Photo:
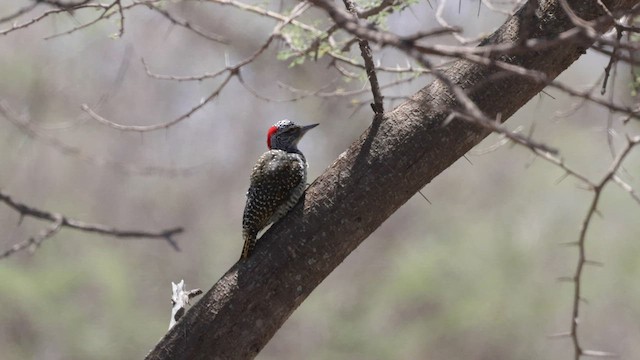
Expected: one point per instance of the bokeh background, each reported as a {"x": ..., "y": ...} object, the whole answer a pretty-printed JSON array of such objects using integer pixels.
[{"x": 472, "y": 274}]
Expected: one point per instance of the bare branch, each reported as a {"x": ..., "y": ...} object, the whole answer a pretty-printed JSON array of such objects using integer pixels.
[
  {"x": 187, "y": 25},
  {"x": 31, "y": 21},
  {"x": 575, "y": 35},
  {"x": 582, "y": 259},
  {"x": 23, "y": 10},
  {"x": 200, "y": 77},
  {"x": 105, "y": 14},
  {"x": 365, "y": 51},
  {"x": 626, "y": 187},
  {"x": 59, "y": 221},
  {"x": 339, "y": 92},
  {"x": 320, "y": 36},
  {"x": 33, "y": 243},
  {"x": 25, "y": 125},
  {"x": 121, "y": 12},
  {"x": 268, "y": 13},
  {"x": 165, "y": 125},
  {"x": 231, "y": 70},
  {"x": 612, "y": 60},
  {"x": 64, "y": 4}
]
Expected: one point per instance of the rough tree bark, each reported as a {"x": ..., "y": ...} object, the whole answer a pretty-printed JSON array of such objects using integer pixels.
[{"x": 398, "y": 155}]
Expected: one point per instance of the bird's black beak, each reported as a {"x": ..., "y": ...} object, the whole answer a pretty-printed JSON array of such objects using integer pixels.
[{"x": 304, "y": 129}]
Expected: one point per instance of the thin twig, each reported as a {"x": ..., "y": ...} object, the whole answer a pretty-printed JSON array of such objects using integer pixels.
[
  {"x": 365, "y": 51},
  {"x": 612, "y": 60}
]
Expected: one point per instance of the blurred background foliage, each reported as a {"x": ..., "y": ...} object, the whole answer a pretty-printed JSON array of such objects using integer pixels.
[{"x": 470, "y": 275}]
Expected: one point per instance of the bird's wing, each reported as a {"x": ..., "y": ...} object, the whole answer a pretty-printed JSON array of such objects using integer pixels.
[{"x": 274, "y": 177}]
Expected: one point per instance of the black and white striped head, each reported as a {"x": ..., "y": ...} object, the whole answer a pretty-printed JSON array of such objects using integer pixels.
[{"x": 284, "y": 135}]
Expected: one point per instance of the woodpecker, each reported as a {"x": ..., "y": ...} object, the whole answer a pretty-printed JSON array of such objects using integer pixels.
[{"x": 277, "y": 181}]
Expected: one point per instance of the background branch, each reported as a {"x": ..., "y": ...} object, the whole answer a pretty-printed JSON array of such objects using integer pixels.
[
  {"x": 59, "y": 221},
  {"x": 365, "y": 51}
]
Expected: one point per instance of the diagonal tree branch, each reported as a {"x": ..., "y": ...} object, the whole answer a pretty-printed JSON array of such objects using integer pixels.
[{"x": 384, "y": 168}]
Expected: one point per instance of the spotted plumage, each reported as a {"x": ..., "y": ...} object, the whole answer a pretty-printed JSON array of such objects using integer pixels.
[{"x": 278, "y": 180}]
